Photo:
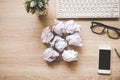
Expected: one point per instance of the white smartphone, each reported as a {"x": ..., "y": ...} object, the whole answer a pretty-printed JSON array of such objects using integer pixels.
[{"x": 104, "y": 62}]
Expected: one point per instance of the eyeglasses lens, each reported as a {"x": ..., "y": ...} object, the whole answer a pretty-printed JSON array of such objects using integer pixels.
[
  {"x": 112, "y": 33},
  {"x": 98, "y": 29}
]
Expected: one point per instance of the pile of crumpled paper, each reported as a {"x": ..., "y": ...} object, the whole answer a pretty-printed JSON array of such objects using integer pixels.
[{"x": 61, "y": 35}]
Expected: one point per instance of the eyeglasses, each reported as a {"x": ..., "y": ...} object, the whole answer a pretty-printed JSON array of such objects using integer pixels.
[{"x": 99, "y": 28}]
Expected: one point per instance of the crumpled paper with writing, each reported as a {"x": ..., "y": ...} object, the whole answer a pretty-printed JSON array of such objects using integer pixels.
[
  {"x": 59, "y": 43},
  {"x": 50, "y": 55}
]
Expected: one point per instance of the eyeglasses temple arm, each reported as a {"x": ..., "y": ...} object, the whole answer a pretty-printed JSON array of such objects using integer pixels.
[{"x": 117, "y": 52}]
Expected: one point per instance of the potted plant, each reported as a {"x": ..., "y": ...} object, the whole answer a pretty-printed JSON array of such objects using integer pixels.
[{"x": 36, "y": 6}]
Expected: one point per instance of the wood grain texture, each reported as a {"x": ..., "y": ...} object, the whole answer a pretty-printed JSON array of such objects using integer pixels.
[{"x": 21, "y": 47}]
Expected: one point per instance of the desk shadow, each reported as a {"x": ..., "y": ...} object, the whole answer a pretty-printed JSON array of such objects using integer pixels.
[
  {"x": 76, "y": 48},
  {"x": 91, "y": 19},
  {"x": 72, "y": 65},
  {"x": 59, "y": 61},
  {"x": 54, "y": 63},
  {"x": 43, "y": 20}
]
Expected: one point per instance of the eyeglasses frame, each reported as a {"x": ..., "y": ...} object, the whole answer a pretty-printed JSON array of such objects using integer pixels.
[{"x": 117, "y": 30}]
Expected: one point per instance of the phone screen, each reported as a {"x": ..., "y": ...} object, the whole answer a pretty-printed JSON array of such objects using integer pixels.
[{"x": 104, "y": 59}]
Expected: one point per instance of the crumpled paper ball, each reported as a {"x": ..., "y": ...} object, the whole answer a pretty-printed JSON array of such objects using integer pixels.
[
  {"x": 69, "y": 55},
  {"x": 59, "y": 43},
  {"x": 74, "y": 39},
  {"x": 58, "y": 27},
  {"x": 71, "y": 27},
  {"x": 47, "y": 35},
  {"x": 50, "y": 55}
]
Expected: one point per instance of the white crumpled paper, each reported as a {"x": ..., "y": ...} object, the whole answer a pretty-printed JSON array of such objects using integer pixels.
[
  {"x": 58, "y": 27},
  {"x": 71, "y": 27},
  {"x": 69, "y": 55},
  {"x": 59, "y": 43},
  {"x": 74, "y": 39},
  {"x": 47, "y": 35},
  {"x": 50, "y": 54}
]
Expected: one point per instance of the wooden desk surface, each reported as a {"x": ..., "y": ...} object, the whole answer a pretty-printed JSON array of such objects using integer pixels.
[{"x": 21, "y": 47}]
